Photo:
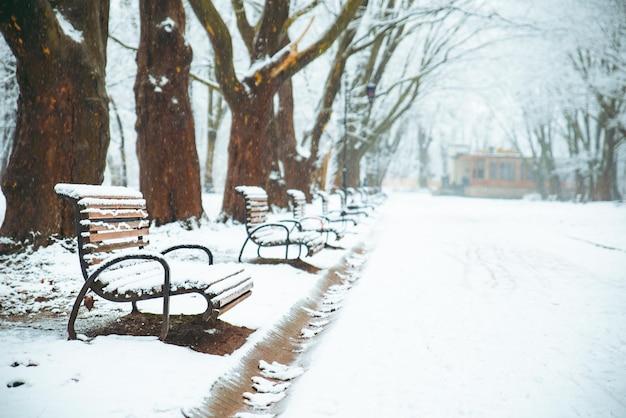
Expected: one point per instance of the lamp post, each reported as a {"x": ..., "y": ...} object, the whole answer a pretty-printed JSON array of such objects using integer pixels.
[
  {"x": 371, "y": 92},
  {"x": 344, "y": 171},
  {"x": 370, "y": 89}
]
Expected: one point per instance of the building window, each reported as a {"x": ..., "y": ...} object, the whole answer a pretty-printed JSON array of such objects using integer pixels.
[
  {"x": 507, "y": 171},
  {"x": 493, "y": 170},
  {"x": 527, "y": 172},
  {"x": 479, "y": 169}
]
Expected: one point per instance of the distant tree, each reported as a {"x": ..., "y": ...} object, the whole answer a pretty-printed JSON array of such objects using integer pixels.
[
  {"x": 250, "y": 99},
  {"x": 62, "y": 128},
  {"x": 169, "y": 170},
  {"x": 424, "y": 140},
  {"x": 216, "y": 110}
]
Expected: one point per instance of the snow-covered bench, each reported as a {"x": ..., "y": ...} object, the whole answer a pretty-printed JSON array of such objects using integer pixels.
[
  {"x": 321, "y": 224},
  {"x": 350, "y": 206},
  {"x": 285, "y": 232},
  {"x": 342, "y": 215},
  {"x": 112, "y": 228}
]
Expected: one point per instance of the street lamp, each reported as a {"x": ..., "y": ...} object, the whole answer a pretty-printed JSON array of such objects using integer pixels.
[
  {"x": 344, "y": 171},
  {"x": 371, "y": 92},
  {"x": 370, "y": 89}
]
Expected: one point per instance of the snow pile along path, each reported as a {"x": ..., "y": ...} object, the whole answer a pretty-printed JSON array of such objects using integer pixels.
[{"x": 479, "y": 308}]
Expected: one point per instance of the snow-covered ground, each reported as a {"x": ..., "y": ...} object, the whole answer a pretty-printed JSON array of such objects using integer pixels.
[
  {"x": 121, "y": 376},
  {"x": 467, "y": 307},
  {"x": 479, "y": 308}
]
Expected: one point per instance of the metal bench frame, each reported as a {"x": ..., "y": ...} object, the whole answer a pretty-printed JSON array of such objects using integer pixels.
[
  {"x": 251, "y": 228},
  {"x": 342, "y": 215},
  {"x": 90, "y": 278},
  {"x": 297, "y": 202}
]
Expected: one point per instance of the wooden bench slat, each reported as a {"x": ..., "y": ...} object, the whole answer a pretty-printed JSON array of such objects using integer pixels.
[
  {"x": 103, "y": 236},
  {"x": 234, "y": 303},
  {"x": 230, "y": 295},
  {"x": 105, "y": 248},
  {"x": 114, "y": 206},
  {"x": 114, "y": 226},
  {"x": 114, "y": 214}
]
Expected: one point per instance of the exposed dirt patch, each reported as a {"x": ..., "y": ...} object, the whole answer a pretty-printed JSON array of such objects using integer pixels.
[
  {"x": 185, "y": 330},
  {"x": 297, "y": 263}
]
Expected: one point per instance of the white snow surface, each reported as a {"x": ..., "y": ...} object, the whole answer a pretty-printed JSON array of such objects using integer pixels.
[
  {"x": 167, "y": 24},
  {"x": 117, "y": 376},
  {"x": 479, "y": 308},
  {"x": 78, "y": 191},
  {"x": 69, "y": 29}
]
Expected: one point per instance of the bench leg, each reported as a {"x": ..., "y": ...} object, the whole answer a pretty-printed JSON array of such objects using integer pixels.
[
  {"x": 74, "y": 314},
  {"x": 165, "y": 328},
  {"x": 242, "y": 247},
  {"x": 210, "y": 315}
]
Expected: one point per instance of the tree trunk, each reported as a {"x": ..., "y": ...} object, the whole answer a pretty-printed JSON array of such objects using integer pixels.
[
  {"x": 297, "y": 171},
  {"x": 249, "y": 159},
  {"x": 606, "y": 184},
  {"x": 215, "y": 115},
  {"x": 62, "y": 128},
  {"x": 353, "y": 164},
  {"x": 121, "y": 147},
  {"x": 424, "y": 168},
  {"x": 208, "y": 164},
  {"x": 166, "y": 150}
]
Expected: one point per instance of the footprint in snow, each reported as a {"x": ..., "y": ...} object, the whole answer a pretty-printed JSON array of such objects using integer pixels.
[
  {"x": 279, "y": 371},
  {"x": 262, "y": 400},
  {"x": 263, "y": 385},
  {"x": 15, "y": 383}
]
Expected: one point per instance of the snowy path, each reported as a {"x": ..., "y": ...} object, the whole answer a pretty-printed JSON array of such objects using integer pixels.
[{"x": 487, "y": 309}]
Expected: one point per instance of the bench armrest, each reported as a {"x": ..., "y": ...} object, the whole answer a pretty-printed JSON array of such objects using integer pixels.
[
  {"x": 268, "y": 225},
  {"x": 296, "y": 223},
  {"x": 321, "y": 219},
  {"x": 190, "y": 247}
]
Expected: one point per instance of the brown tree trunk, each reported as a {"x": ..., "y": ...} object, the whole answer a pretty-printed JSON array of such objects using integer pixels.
[
  {"x": 353, "y": 164},
  {"x": 297, "y": 171},
  {"x": 606, "y": 184},
  {"x": 166, "y": 149},
  {"x": 62, "y": 130},
  {"x": 208, "y": 165},
  {"x": 249, "y": 159}
]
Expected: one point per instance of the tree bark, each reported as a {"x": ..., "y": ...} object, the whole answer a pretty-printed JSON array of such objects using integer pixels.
[
  {"x": 296, "y": 171},
  {"x": 62, "y": 128},
  {"x": 249, "y": 159},
  {"x": 166, "y": 150}
]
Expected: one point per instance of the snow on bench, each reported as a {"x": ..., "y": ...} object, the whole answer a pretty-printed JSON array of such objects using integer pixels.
[
  {"x": 274, "y": 234},
  {"x": 112, "y": 228},
  {"x": 321, "y": 224}
]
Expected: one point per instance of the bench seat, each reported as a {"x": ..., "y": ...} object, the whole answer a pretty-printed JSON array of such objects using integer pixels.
[{"x": 146, "y": 278}]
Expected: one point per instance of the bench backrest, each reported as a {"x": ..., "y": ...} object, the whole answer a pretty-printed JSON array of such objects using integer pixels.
[
  {"x": 324, "y": 198},
  {"x": 108, "y": 220},
  {"x": 342, "y": 196},
  {"x": 257, "y": 206},
  {"x": 297, "y": 201}
]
